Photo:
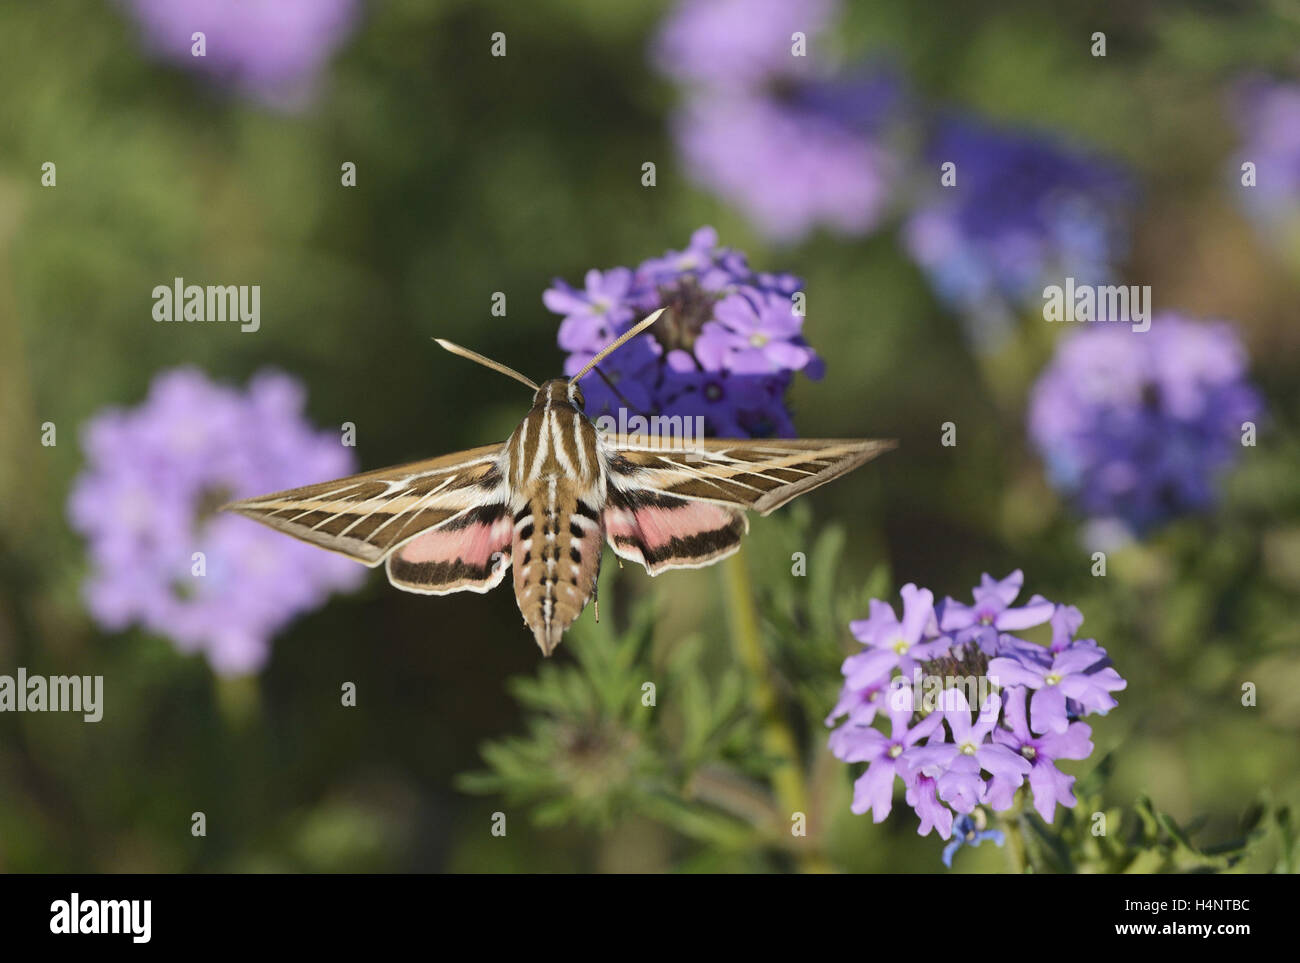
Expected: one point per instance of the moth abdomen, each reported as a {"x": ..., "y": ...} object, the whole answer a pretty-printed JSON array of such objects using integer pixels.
[{"x": 558, "y": 548}]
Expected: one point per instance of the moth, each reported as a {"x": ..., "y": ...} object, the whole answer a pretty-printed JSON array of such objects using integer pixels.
[{"x": 544, "y": 501}]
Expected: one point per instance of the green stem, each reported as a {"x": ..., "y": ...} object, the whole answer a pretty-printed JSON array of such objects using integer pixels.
[
  {"x": 778, "y": 741},
  {"x": 1011, "y": 823},
  {"x": 239, "y": 700}
]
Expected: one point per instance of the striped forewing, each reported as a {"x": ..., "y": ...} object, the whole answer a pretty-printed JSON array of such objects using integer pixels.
[
  {"x": 756, "y": 475},
  {"x": 367, "y": 516}
]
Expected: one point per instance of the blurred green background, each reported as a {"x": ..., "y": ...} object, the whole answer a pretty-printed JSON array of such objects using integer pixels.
[{"x": 477, "y": 175}]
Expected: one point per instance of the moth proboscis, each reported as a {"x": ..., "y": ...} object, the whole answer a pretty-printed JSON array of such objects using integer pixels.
[{"x": 543, "y": 502}]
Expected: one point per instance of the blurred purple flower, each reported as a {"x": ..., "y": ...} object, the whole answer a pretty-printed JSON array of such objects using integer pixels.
[
  {"x": 1137, "y": 426},
  {"x": 787, "y": 138},
  {"x": 147, "y": 502},
  {"x": 270, "y": 50},
  {"x": 1023, "y": 210},
  {"x": 917, "y": 670},
  {"x": 1268, "y": 115},
  {"x": 737, "y": 44},
  {"x": 725, "y": 349},
  {"x": 789, "y": 166}
]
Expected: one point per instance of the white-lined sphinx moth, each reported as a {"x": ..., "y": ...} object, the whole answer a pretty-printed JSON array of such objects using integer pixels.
[{"x": 545, "y": 500}]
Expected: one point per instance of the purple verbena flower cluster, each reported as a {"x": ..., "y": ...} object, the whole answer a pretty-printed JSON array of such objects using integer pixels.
[
  {"x": 779, "y": 132},
  {"x": 1020, "y": 211},
  {"x": 147, "y": 503},
  {"x": 270, "y": 50},
  {"x": 974, "y": 711},
  {"x": 725, "y": 349},
  {"x": 1137, "y": 426}
]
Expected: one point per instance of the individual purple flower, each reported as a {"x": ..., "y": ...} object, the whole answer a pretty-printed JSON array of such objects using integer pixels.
[
  {"x": 860, "y": 704},
  {"x": 1078, "y": 673},
  {"x": 146, "y": 504},
  {"x": 1138, "y": 426},
  {"x": 967, "y": 833},
  {"x": 891, "y": 643},
  {"x": 725, "y": 349},
  {"x": 1047, "y": 783},
  {"x": 1066, "y": 621},
  {"x": 1023, "y": 210},
  {"x": 874, "y": 789},
  {"x": 593, "y": 314},
  {"x": 992, "y": 612},
  {"x": 271, "y": 50},
  {"x": 752, "y": 336},
  {"x": 923, "y": 796}
]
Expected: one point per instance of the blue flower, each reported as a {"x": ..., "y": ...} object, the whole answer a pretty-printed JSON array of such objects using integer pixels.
[
  {"x": 1023, "y": 209},
  {"x": 966, "y": 833},
  {"x": 1136, "y": 427}
]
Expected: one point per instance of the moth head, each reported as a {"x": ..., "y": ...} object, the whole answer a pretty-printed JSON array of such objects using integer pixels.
[{"x": 559, "y": 391}]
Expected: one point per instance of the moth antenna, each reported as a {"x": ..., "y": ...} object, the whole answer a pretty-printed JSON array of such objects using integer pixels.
[
  {"x": 621, "y": 397},
  {"x": 623, "y": 338},
  {"x": 485, "y": 362}
]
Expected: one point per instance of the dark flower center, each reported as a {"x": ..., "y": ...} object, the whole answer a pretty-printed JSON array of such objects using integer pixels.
[
  {"x": 209, "y": 501},
  {"x": 206, "y": 507},
  {"x": 954, "y": 669},
  {"x": 1151, "y": 396},
  {"x": 758, "y": 425},
  {"x": 688, "y": 306},
  {"x": 967, "y": 660}
]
